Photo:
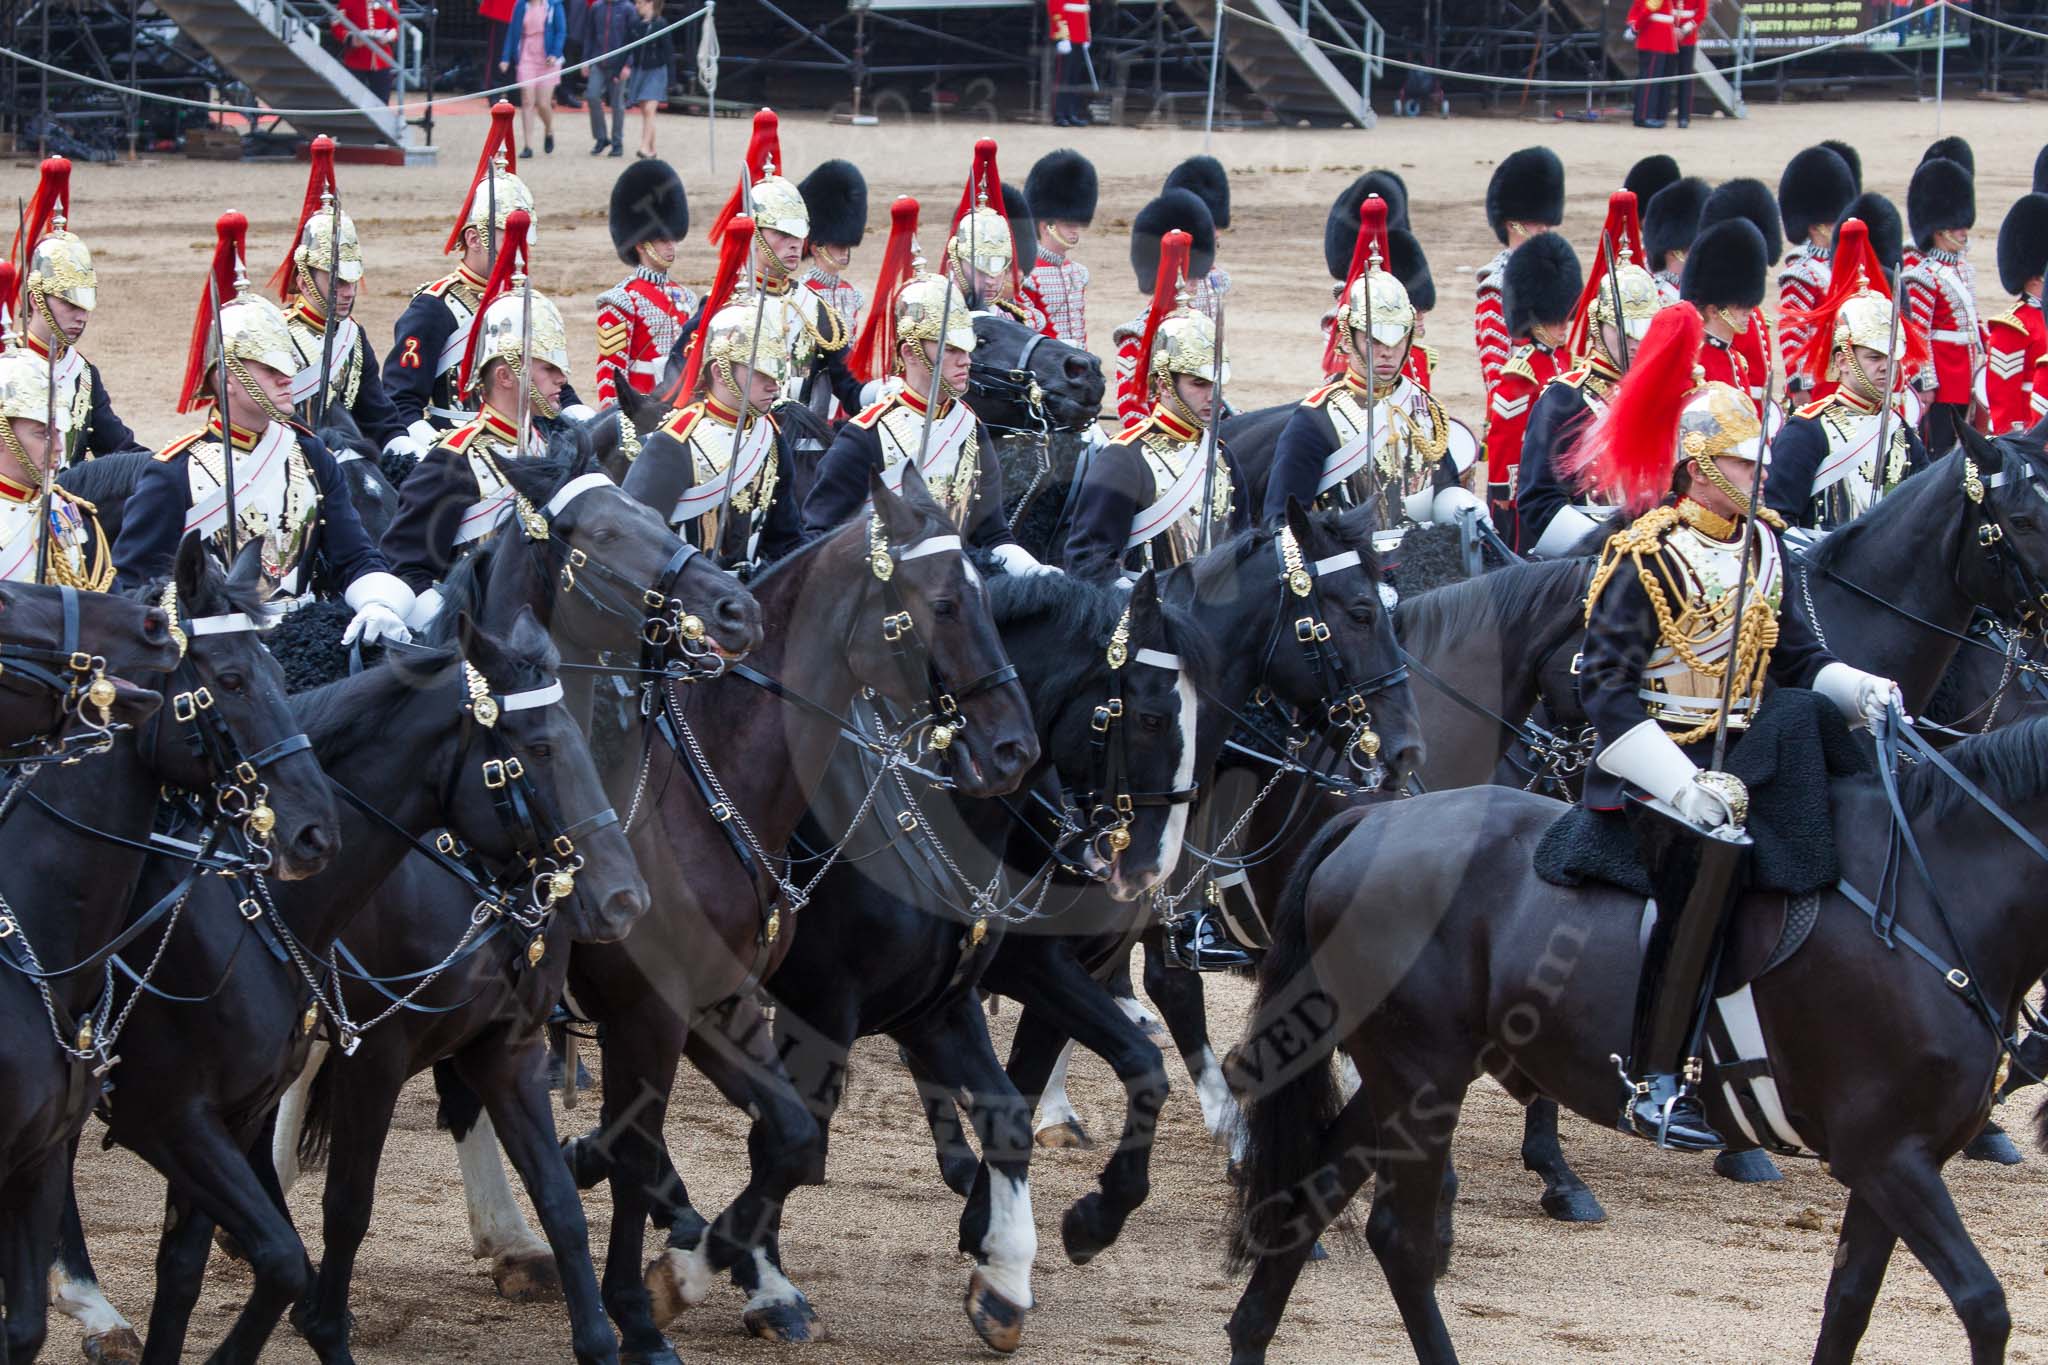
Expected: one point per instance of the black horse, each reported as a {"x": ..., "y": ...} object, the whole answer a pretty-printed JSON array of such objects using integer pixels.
[
  {"x": 491, "y": 754},
  {"x": 59, "y": 642},
  {"x": 1429, "y": 960},
  {"x": 74, "y": 843}
]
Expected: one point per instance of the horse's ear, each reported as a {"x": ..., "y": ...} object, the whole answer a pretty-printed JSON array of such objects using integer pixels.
[
  {"x": 188, "y": 570},
  {"x": 1144, "y": 606},
  {"x": 529, "y": 640},
  {"x": 1299, "y": 522},
  {"x": 246, "y": 574},
  {"x": 1984, "y": 452}
]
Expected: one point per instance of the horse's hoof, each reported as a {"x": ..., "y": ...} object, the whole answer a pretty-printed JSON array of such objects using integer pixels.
[
  {"x": 1993, "y": 1145},
  {"x": 118, "y": 1347},
  {"x": 1319, "y": 1252},
  {"x": 529, "y": 1277},
  {"x": 786, "y": 1321},
  {"x": 997, "y": 1321},
  {"x": 1083, "y": 1244},
  {"x": 676, "y": 1281},
  {"x": 225, "y": 1240},
  {"x": 663, "y": 1354},
  {"x": 1069, "y": 1135},
  {"x": 1751, "y": 1167},
  {"x": 959, "y": 1174},
  {"x": 1573, "y": 1204}
]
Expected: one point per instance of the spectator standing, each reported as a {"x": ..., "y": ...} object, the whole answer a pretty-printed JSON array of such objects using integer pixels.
[
  {"x": 647, "y": 86},
  {"x": 367, "y": 31},
  {"x": 607, "y": 29},
  {"x": 534, "y": 44},
  {"x": 1653, "y": 27}
]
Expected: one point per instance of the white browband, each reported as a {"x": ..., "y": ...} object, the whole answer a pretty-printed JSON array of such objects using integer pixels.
[
  {"x": 534, "y": 698},
  {"x": 1348, "y": 560},
  {"x": 234, "y": 622},
  {"x": 930, "y": 545},
  {"x": 575, "y": 489},
  {"x": 1158, "y": 659}
]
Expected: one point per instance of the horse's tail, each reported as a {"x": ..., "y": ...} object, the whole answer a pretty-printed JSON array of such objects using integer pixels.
[
  {"x": 318, "y": 1124},
  {"x": 1285, "y": 1120}
]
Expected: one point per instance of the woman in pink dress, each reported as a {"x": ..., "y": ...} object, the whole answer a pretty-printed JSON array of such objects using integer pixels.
[{"x": 537, "y": 33}]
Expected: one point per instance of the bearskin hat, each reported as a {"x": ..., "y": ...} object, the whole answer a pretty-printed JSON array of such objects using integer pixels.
[
  {"x": 1851, "y": 158},
  {"x": 648, "y": 204},
  {"x": 1813, "y": 191},
  {"x": 1672, "y": 219},
  {"x": 1887, "y": 231},
  {"x": 1181, "y": 209},
  {"x": 1411, "y": 268},
  {"x": 1725, "y": 268},
  {"x": 2041, "y": 172},
  {"x": 1951, "y": 149},
  {"x": 1205, "y": 177},
  {"x": 1941, "y": 195},
  {"x": 1023, "y": 228},
  {"x": 836, "y": 194},
  {"x": 1062, "y": 187},
  {"x": 1527, "y": 187},
  {"x": 1650, "y": 175},
  {"x": 1751, "y": 199},
  {"x": 1340, "y": 228},
  {"x": 1540, "y": 283},
  {"x": 2023, "y": 242}
]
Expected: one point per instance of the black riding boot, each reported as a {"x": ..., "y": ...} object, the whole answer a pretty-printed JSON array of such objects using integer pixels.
[
  {"x": 1226, "y": 934},
  {"x": 1697, "y": 879}
]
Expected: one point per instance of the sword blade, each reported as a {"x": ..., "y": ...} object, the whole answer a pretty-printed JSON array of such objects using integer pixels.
[
  {"x": 328, "y": 322},
  {"x": 1210, "y": 438},
  {"x": 1743, "y": 577}
]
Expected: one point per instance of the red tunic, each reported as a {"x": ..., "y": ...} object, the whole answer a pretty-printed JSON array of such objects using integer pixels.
[
  {"x": 1656, "y": 25},
  {"x": 2016, "y": 367},
  {"x": 1067, "y": 19},
  {"x": 1490, "y": 323},
  {"x": 1724, "y": 363},
  {"x": 638, "y": 321},
  {"x": 379, "y": 25},
  {"x": 1751, "y": 346},
  {"x": 1941, "y": 293},
  {"x": 1507, "y": 411}
]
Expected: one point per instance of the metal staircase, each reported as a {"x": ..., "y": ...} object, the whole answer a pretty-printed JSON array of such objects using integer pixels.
[
  {"x": 274, "y": 48},
  {"x": 1273, "y": 46}
]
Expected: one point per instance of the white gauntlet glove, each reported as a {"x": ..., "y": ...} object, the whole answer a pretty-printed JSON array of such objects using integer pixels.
[
  {"x": 1648, "y": 758},
  {"x": 1020, "y": 561},
  {"x": 1453, "y": 503},
  {"x": 1065, "y": 47},
  {"x": 381, "y": 601},
  {"x": 1861, "y": 697}
]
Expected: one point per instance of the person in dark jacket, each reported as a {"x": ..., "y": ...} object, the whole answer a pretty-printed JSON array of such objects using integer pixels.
[{"x": 607, "y": 28}]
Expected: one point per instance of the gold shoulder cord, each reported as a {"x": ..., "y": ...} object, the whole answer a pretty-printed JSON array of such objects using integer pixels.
[{"x": 1642, "y": 543}]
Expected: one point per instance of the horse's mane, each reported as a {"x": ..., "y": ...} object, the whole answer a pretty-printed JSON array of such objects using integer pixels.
[
  {"x": 1081, "y": 617},
  {"x": 2010, "y": 765},
  {"x": 108, "y": 478},
  {"x": 215, "y": 586},
  {"x": 463, "y": 589},
  {"x": 1517, "y": 595}
]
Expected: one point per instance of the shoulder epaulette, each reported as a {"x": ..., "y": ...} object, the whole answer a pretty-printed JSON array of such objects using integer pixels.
[
  {"x": 2011, "y": 320},
  {"x": 179, "y": 446},
  {"x": 1131, "y": 434},
  {"x": 872, "y": 413},
  {"x": 1430, "y": 357},
  {"x": 1322, "y": 395},
  {"x": 1518, "y": 364},
  {"x": 1816, "y": 407},
  {"x": 459, "y": 440},
  {"x": 681, "y": 422},
  {"x": 437, "y": 288},
  {"x": 1573, "y": 378}
]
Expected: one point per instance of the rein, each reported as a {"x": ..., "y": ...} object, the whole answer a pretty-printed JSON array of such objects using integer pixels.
[{"x": 71, "y": 677}]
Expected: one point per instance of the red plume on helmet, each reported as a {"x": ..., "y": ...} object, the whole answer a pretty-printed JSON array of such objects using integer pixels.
[
  {"x": 1856, "y": 267},
  {"x": 732, "y": 262},
  {"x": 874, "y": 351},
  {"x": 53, "y": 197},
  {"x": 230, "y": 247},
  {"x": 1623, "y": 228},
  {"x": 319, "y": 179},
  {"x": 985, "y": 180},
  {"x": 1372, "y": 237},
  {"x": 763, "y": 148},
  {"x": 10, "y": 297},
  {"x": 512, "y": 260},
  {"x": 1173, "y": 268},
  {"x": 1629, "y": 453},
  {"x": 499, "y": 139}
]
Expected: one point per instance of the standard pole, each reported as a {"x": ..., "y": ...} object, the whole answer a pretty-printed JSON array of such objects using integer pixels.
[{"x": 1940, "y": 61}]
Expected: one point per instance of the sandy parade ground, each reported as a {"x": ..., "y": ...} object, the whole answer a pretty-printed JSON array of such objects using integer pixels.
[{"x": 1686, "y": 1263}]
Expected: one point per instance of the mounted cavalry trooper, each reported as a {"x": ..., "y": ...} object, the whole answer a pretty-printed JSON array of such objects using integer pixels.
[
  {"x": 1671, "y": 219},
  {"x": 458, "y": 495},
  {"x": 989, "y": 250},
  {"x": 1540, "y": 290},
  {"x": 1826, "y": 465},
  {"x": 1524, "y": 198},
  {"x": 432, "y": 334},
  {"x": 1405, "y": 259},
  {"x": 1724, "y": 281},
  {"x": 1941, "y": 292},
  {"x": 1173, "y": 211},
  {"x": 739, "y": 503},
  {"x": 922, "y": 329},
  {"x": 1140, "y": 503},
  {"x": 325, "y": 262},
  {"x": 1813, "y": 194},
  {"x": 78, "y": 554},
  {"x": 1063, "y": 191},
  {"x": 1373, "y": 436},
  {"x": 814, "y": 335},
  {"x": 2016, "y": 342},
  {"x": 253, "y": 474},
  {"x": 1612, "y": 317},
  {"x": 1661, "y": 627},
  {"x": 640, "y": 318},
  {"x": 62, "y": 290},
  {"x": 836, "y": 197}
]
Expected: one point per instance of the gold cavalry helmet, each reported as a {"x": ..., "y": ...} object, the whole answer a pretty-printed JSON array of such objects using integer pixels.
[
  {"x": 25, "y": 389},
  {"x": 511, "y": 193},
  {"x": 1377, "y": 302},
  {"x": 923, "y": 301},
  {"x": 256, "y": 331},
  {"x": 61, "y": 267},
  {"x": 504, "y": 328},
  {"x": 1637, "y": 289},
  {"x": 316, "y": 245},
  {"x": 1865, "y": 319},
  {"x": 982, "y": 237},
  {"x": 1719, "y": 422},
  {"x": 1186, "y": 344},
  {"x": 779, "y": 204},
  {"x": 731, "y": 341}
]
